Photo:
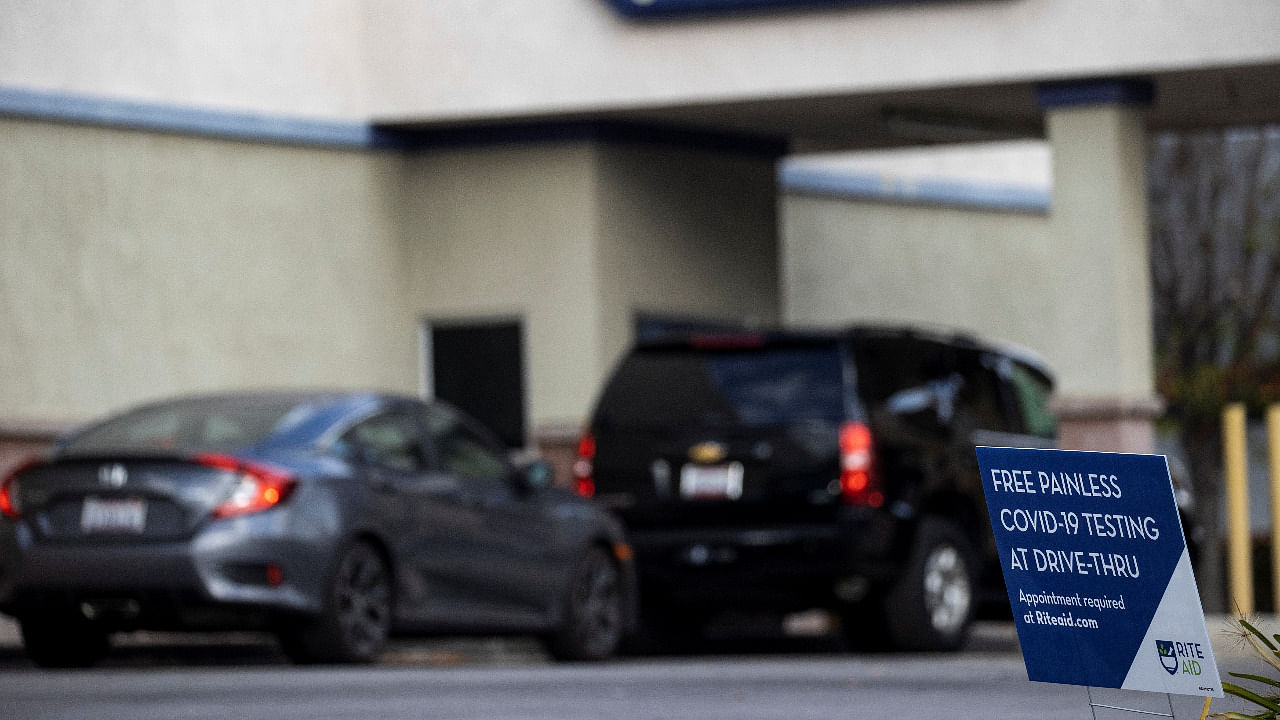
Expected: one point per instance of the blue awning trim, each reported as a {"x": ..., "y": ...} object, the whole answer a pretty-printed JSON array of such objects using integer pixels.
[
  {"x": 285, "y": 130},
  {"x": 939, "y": 192},
  {"x": 679, "y": 8},
  {"x": 1106, "y": 91},
  {"x": 79, "y": 109}
]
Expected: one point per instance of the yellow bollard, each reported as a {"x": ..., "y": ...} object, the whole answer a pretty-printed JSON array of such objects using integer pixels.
[
  {"x": 1236, "y": 467},
  {"x": 1273, "y": 461}
]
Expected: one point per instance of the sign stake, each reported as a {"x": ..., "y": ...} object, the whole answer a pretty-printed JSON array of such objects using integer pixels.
[{"x": 1093, "y": 706}]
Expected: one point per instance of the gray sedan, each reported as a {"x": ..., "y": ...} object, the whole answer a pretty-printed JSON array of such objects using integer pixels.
[{"x": 330, "y": 519}]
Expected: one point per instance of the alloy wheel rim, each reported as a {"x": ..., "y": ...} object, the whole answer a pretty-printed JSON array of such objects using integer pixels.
[
  {"x": 948, "y": 592},
  {"x": 598, "y": 612},
  {"x": 363, "y": 601}
]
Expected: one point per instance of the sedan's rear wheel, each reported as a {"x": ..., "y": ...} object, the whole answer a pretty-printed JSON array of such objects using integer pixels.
[
  {"x": 591, "y": 627},
  {"x": 356, "y": 621},
  {"x": 57, "y": 641}
]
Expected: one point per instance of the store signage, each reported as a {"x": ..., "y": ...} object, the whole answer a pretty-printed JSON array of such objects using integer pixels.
[
  {"x": 653, "y": 8},
  {"x": 1097, "y": 570}
]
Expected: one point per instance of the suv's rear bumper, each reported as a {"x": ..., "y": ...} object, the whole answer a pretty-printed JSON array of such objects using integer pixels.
[{"x": 775, "y": 567}]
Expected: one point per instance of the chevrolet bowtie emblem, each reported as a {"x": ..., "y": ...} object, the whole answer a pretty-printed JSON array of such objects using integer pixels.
[
  {"x": 708, "y": 452},
  {"x": 113, "y": 475}
]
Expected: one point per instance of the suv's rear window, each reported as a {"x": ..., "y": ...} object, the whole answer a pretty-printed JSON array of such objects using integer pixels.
[{"x": 753, "y": 388}]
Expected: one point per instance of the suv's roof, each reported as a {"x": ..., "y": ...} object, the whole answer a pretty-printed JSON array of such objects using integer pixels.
[{"x": 745, "y": 339}]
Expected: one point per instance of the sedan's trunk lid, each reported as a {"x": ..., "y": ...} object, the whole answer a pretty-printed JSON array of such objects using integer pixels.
[{"x": 122, "y": 498}]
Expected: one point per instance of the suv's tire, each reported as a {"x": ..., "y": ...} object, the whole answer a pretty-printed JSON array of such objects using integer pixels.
[
  {"x": 59, "y": 641},
  {"x": 356, "y": 620},
  {"x": 931, "y": 606},
  {"x": 591, "y": 622}
]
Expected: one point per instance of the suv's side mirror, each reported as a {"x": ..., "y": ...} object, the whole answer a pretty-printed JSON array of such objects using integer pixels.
[
  {"x": 535, "y": 475},
  {"x": 912, "y": 400}
]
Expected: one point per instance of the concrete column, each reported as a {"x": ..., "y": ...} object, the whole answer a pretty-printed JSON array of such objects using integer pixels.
[{"x": 1099, "y": 269}]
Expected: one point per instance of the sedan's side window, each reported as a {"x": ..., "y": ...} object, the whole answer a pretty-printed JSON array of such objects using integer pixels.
[
  {"x": 463, "y": 452},
  {"x": 389, "y": 439}
]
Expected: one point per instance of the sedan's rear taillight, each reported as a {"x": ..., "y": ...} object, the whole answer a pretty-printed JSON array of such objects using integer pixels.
[
  {"x": 258, "y": 487},
  {"x": 584, "y": 478},
  {"x": 859, "y": 484}
]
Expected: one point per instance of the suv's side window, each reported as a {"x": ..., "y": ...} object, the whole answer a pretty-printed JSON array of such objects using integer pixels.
[
  {"x": 980, "y": 400},
  {"x": 462, "y": 451},
  {"x": 909, "y": 378},
  {"x": 389, "y": 439},
  {"x": 1033, "y": 400}
]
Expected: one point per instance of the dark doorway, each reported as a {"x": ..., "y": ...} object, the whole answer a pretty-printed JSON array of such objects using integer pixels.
[{"x": 479, "y": 368}]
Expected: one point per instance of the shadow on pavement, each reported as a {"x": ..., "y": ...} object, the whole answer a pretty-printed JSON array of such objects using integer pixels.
[{"x": 250, "y": 649}]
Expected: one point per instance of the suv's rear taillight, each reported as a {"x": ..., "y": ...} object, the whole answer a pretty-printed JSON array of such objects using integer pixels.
[
  {"x": 9, "y": 505},
  {"x": 859, "y": 484},
  {"x": 584, "y": 467},
  {"x": 9, "y": 496},
  {"x": 258, "y": 487}
]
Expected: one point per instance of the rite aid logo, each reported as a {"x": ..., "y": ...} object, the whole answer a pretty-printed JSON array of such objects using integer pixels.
[
  {"x": 1181, "y": 657},
  {"x": 113, "y": 476}
]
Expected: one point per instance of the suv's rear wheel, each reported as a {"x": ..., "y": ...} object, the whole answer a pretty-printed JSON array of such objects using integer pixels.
[{"x": 931, "y": 606}]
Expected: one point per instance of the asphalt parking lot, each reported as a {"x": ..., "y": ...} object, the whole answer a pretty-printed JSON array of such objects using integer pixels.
[
  {"x": 989, "y": 638},
  {"x": 145, "y": 648}
]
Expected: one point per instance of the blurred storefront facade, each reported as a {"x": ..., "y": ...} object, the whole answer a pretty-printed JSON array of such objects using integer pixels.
[{"x": 410, "y": 195}]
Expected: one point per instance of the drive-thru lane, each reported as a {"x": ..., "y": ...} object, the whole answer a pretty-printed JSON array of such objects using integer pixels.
[{"x": 512, "y": 679}]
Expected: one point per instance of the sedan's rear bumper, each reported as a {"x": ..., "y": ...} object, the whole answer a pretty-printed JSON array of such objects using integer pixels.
[{"x": 232, "y": 574}]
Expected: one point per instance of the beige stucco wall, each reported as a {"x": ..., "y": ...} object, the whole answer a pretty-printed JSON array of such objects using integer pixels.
[
  {"x": 853, "y": 260},
  {"x": 465, "y": 59},
  {"x": 134, "y": 265},
  {"x": 685, "y": 233},
  {"x": 1101, "y": 256},
  {"x": 509, "y": 232},
  {"x": 137, "y": 265},
  {"x": 291, "y": 57},
  {"x": 574, "y": 238}
]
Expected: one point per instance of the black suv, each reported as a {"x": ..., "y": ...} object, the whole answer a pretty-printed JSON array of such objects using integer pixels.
[{"x": 784, "y": 471}]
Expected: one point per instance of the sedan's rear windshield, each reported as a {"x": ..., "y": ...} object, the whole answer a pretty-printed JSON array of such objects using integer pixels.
[
  {"x": 204, "y": 425},
  {"x": 753, "y": 388}
]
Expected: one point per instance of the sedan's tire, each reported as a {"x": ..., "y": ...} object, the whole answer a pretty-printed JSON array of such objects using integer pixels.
[
  {"x": 931, "y": 607},
  {"x": 591, "y": 623},
  {"x": 356, "y": 620},
  {"x": 57, "y": 641}
]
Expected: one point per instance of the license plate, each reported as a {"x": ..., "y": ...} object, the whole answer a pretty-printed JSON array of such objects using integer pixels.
[
  {"x": 128, "y": 515},
  {"x": 711, "y": 482}
]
